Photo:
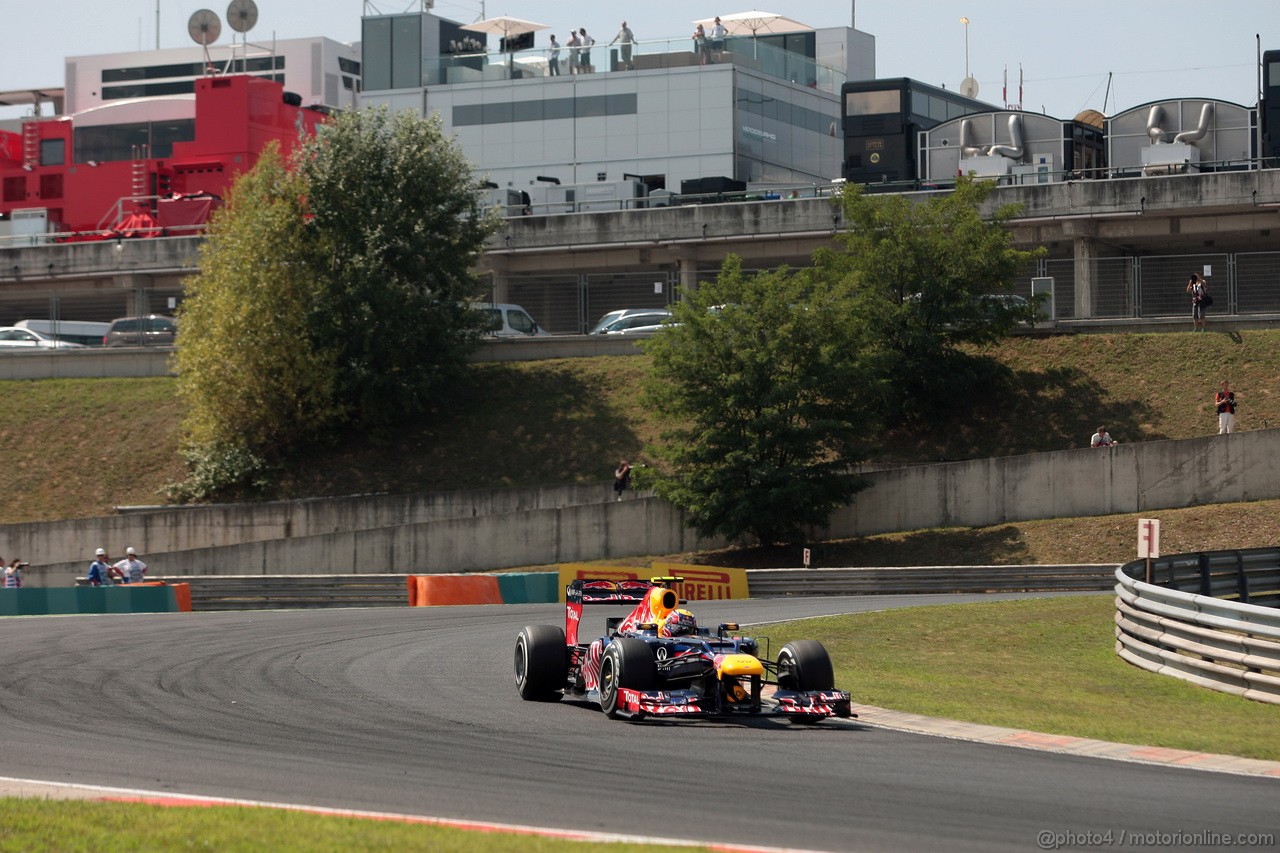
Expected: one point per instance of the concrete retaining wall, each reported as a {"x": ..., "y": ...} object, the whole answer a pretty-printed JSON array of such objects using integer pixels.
[
  {"x": 489, "y": 529},
  {"x": 163, "y": 530},
  {"x": 1128, "y": 478},
  {"x": 566, "y": 534}
]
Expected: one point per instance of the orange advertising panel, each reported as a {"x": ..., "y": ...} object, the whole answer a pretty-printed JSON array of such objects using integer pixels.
[{"x": 701, "y": 583}]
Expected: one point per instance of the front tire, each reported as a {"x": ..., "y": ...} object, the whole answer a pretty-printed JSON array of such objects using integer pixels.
[
  {"x": 627, "y": 663},
  {"x": 804, "y": 665},
  {"x": 541, "y": 663}
]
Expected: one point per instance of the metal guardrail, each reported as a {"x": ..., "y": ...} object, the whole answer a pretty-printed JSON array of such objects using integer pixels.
[
  {"x": 1209, "y": 618},
  {"x": 776, "y": 583},
  {"x": 270, "y": 592},
  {"x": 278, "y": 592}
]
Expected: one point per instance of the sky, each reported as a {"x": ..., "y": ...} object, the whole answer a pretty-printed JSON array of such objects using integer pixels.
[{"x": 1149, "y": 50}]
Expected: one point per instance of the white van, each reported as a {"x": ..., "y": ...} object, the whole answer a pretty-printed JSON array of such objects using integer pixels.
[
  {"x": 89, "y": 334},
  {"x": 509, "y": 321}
]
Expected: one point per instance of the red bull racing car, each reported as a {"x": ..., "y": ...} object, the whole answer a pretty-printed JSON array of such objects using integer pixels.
[{"x": 658, "y": 662}]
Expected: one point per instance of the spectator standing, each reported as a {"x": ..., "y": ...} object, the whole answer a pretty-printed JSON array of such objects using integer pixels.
[
  {"x": 573, "y": 44},
  {"x": 1225, "y": 401},
  {"x": 584, "y": 51},
  {"x": 718, "y": 34},
  {"x": 98, "y": 574},
  {"x": 700, "y": 44},
  {"x": 13, "y": 574},
  {"x": 553, "y": 58},
  {"x": 621, "y": 478},
  {"x": 628, "y": 39},
  {"x": 1102, "y": 438},
  {"x": 1199, "y": 301},
  {"x": 132, "y": 569}
]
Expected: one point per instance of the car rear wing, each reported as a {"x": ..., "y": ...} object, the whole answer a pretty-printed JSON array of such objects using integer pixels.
[{"x": 583, "y": 591}]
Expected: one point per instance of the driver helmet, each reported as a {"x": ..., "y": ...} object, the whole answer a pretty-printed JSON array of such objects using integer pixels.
[{"x": 679, "y": 623}]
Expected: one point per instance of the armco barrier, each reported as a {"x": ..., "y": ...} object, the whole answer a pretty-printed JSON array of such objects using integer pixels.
[
  {"x": 258, "y": 592},
  {"x": 774, "y": 583},
  {"x": 148, "y": 598},
  {"x": 1205, "y": 619},
  {"x": 274, "y": 592},
  {"x": 277, "y": 592}
]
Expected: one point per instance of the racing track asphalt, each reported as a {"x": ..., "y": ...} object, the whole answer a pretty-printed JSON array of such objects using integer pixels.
[{"x": 414, "y": 711}]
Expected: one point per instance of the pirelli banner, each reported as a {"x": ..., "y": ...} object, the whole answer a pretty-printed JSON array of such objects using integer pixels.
[{"x": 701, "y": 583}]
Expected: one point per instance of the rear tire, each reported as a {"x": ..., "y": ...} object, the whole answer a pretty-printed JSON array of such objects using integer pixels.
[
  {"x": 627, "y": 663},
  {"x": 541, "y": 662},
  {"x": 804, "y": 665}
]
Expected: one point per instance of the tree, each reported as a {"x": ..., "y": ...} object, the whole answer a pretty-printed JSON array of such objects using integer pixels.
[
  {"x": 764, "y": 381},
  {"x": 399, "y": 224},
  {"x": 252, "y": 376},
  {"x": 333, "y": 290},
  {"x": 924, "y": 272}
]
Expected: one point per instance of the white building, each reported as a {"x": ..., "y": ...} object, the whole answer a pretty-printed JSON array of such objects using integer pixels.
[
  {"x": 319, "y": 70},
  {"x": 758, "y": 111}
]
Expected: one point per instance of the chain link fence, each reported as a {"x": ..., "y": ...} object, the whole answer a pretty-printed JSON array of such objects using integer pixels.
[{"x": 80, "y": 306}]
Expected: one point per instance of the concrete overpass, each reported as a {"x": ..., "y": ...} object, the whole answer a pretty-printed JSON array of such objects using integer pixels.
[{"x": 1080, "y": 222}]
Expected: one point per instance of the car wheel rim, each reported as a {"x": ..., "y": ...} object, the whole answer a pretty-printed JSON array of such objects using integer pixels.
[
  {"x": 521, "y": 664},
  {"x": 608, "y": 683}
]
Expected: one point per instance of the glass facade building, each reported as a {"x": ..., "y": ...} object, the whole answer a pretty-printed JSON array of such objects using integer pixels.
[{"x": 762, "y": 111}]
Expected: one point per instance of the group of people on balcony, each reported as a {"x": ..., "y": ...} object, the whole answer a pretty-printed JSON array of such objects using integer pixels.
[{"x": 710, "y": 50}]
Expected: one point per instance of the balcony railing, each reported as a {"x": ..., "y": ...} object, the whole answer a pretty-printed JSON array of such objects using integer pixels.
[{"x": 742, "y": 51}]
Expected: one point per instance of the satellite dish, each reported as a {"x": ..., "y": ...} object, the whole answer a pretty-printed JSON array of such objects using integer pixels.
[
  {"x": 204, "y": 27},
  {"x": 969, "y": 87},
  {"x": 242, "y": 15}
]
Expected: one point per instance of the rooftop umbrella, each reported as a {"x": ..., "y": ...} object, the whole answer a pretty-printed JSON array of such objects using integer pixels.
[
  {"x": 755, "y": 23},
  {"x": 506, "y": 27}
]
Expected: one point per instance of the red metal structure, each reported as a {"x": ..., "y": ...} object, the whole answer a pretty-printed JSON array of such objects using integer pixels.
[{"x": 146, "y": 167}]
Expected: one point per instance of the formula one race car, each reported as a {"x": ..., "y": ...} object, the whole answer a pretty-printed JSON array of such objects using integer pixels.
[{"x": 657, "y": 661}]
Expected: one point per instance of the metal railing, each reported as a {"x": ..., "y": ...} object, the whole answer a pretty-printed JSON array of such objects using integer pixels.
[
  {"x": 270, "y": 592},
  {"x": 745, "y": 51},
  {"x": 778, "y": 583},
  {"x": 1212, "y": 619},
  {"x": 279, "y": 592}
]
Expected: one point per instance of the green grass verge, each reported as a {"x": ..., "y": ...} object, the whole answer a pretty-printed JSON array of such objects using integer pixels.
[
  {"x": 1047, "y": 665},
  {"x": 78, "y": 826}
]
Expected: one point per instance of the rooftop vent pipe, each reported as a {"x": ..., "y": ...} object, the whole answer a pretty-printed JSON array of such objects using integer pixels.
[{"x": 1206, "y": 112}]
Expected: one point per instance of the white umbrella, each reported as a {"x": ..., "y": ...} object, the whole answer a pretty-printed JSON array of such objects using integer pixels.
[
  {"x": 505, "y": 26},
  {"x": 755, "y": 23}
]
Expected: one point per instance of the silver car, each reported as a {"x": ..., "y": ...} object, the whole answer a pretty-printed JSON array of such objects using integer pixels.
[
  {"x": 12, "y": 336},
  {"x": 644, "y": 323},
  {"x": 613, "y": 316}
]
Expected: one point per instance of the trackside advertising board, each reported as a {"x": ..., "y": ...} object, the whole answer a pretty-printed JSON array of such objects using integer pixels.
[{"x": 701, "y": 583}]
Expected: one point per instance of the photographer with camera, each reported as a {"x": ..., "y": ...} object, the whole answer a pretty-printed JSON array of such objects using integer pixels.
[{"x": 13, "y": 574}]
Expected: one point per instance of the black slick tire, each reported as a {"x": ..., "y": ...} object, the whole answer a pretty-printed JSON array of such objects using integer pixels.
[
  {"x": 627, "y": 663},
  {"x": 541, "y": 663}
]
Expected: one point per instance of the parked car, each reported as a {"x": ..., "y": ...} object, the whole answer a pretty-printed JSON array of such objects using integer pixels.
[
  {"x": 84, "y": 332},
  {"x": 148, "y": 330},
  {"x": 612, "y": 316},
  {"x": 645, "y": 323},
  {"x": 13, "y": 336},
  {"x": 509, "y": 321}
]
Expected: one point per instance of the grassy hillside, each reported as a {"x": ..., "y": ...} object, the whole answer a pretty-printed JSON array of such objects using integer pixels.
[{"x": 78, "y": 447}]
